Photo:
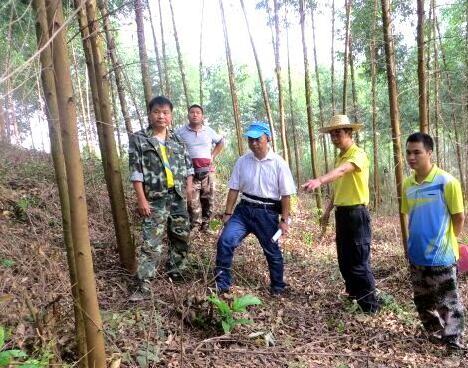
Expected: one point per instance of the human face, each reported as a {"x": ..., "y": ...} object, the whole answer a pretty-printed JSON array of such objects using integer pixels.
[
  {"x": 340, "y": 138},
  {"x": 195, "y": 116},
  {"x": 259, "y": 146},
  {"x": 160, "y": 116},
  {"x": 418, "y": 157}
]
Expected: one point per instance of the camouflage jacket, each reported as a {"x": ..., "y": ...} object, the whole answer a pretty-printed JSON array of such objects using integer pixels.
[{"x": 146, "y": 165}]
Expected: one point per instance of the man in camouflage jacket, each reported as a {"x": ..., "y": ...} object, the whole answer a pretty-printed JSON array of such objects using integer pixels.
[{"x": 161, "y": 172}]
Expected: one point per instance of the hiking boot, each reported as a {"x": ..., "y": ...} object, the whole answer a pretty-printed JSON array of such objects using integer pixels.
[
  {"x": 280, "y": 292},
  {"x": 453, "y": 343}
]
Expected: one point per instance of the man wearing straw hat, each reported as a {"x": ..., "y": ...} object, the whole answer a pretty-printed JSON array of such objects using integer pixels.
[{"x": 351, "y": 196}]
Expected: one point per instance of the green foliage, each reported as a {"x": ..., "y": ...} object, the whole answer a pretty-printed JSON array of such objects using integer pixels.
[
  {"x": 227, "y": 312},
  {"x": 7, "y": 263},
  {"x": 216, "y": 224},
  {"x": 17, "y": 357}
]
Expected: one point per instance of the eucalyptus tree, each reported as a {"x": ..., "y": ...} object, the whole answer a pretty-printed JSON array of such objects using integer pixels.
[{"x": 145, "y": 74}]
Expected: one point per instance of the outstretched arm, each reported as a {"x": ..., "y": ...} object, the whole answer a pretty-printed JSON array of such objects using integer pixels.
[{"x": 329, "y": 177}]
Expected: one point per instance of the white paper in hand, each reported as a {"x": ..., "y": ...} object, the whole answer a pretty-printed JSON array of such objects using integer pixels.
[{"x": 278, "y": 233}]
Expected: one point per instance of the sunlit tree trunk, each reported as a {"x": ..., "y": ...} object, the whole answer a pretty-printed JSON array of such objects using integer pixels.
[
  {"x": 266, "y": 99},
  {"x": 332, "y": 71},
  {"x": 116, "y": 117},
  {"x": 437, "y": 137},
  {"x": 394, "y": 111},
  {"x": 2, "y": 121},
  {"x": 346, "y": 55},
  {"x": 319, "y": 92},
  {"x": 56, "y": 149},
  {"x": 284, "y": 141},
  {"x": 78, "y": 209},
  {"x": 156, "y": 50},
  {"x": 179, "y": 57},
  {"x": 232, "y": 83},
  {"x": 114, "y": 178},
  {"x": 353, "y": 79},
  {"x": 167, "y": 90},
  {"x": 200, "y": 68},
  {"x": 310, "y": 115},
  {"x": 291, "y": 114},
  {"x": 423, "y": 119},
  {"x": 117, "y": 68},
  {"x": 145, "y": 74},
  {"x": 373, "y": 61}
]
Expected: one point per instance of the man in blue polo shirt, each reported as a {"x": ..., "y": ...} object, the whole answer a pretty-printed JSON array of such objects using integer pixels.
[{"x": 433, "y": 201}]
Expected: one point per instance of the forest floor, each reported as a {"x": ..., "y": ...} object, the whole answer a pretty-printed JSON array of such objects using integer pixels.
[{"x": 313, "y": 326}]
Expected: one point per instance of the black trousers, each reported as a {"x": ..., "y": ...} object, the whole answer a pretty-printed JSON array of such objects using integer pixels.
[{"x": 353, "y": 239}]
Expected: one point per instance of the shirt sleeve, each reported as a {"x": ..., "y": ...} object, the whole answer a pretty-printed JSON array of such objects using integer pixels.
[
  {"x": 359, "y": 159},
  {"x": 404, "y": 199},
  {"x": 453, "y": 196},
  {"x": 285, "y": 180},
  {"x": 135, "y": 159},
  {"x": 234, "y": 181}
]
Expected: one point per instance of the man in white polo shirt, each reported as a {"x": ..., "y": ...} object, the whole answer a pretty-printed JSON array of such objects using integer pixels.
[
  {"x": 203, "y": 144},
  {"x": 266, "y": 184}
]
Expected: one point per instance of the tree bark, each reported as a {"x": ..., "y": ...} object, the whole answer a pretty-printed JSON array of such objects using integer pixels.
[
  {"x": 200, "y": 68},
  {"x": 156, "y": 50},
  {"x": 2, "y": 121},
  {"x": 394, "y": 111},
  {"x": 436, "y": 86},
  {"x": 145, "y": 74},
  {"x": 310, "y": 115},
  {"x": 284, "y": 141},
  {"x": 56, "y": 149},
  {"x": 164, "y": 54},
  {"x": 78, "y": 209},
  {"x": 346, "y": 54},
  {"x": 232, "y": 83},
  {"x": 332, "y": 71},
  {"x": 116, "y": 67},
  {"x": 124, "y": 239},
  {"x": 266, "y": 99},
  {"x": 179, "y": 57},
  {"x": 373, "y": 61},
  {"x": 423, "y": 118}
]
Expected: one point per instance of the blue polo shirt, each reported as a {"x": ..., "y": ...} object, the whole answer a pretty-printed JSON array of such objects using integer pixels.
[{"x": 429, "y": 205}]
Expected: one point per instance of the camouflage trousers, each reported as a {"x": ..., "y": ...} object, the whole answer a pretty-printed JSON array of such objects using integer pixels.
[
  {"x": 437, "y": 299},
  {"x": 168, "y": 219},
  {"x": 201, "y": 206}
]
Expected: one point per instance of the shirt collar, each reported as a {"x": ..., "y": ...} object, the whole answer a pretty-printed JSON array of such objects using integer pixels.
[
  {"x": 428, "y": 179},
  {"x": 349, "y": 151},
  {"x": 193, "y": 130},
  {"x": 269, "y": 156}
]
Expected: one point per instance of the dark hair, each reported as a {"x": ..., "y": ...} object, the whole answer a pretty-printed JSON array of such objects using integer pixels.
[
  {"x": 195, "y": 105},
  {"x": 159, "y": 101},
  {"x": 423, "y": 138}
]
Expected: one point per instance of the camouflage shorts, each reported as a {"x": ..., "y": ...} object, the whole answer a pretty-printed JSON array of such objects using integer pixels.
[
  {"x": 168, "y": 219},
  {"x": 437, "y": 299}
]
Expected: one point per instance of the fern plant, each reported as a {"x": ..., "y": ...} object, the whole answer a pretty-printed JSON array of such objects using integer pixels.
[{"x": 227, "y": 312}]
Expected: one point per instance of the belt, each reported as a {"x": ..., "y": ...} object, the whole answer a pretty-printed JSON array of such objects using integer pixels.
[
  {"x": 257, "y": 205},
  {"x": 354, "y": 206}
]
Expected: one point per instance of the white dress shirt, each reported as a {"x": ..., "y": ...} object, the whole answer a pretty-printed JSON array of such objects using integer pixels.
[{"x": 269, "y": 177}]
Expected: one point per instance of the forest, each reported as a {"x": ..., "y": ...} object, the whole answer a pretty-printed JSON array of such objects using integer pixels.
[{"x": 76, "y": 77}]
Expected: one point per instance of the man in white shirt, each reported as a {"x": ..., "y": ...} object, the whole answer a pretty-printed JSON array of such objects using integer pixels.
[
  {"x": 203, "y": 145},
  {"x": 266, "y": 184}
]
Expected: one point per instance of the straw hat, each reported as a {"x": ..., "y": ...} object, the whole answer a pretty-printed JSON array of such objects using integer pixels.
[{"x": 340, "y": 122}]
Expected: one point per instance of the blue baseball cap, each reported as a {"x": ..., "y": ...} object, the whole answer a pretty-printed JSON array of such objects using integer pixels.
[{"x": 256, "y": 129}]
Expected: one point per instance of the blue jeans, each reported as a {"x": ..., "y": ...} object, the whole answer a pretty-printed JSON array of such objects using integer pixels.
[{"x": 261, "y": 222}]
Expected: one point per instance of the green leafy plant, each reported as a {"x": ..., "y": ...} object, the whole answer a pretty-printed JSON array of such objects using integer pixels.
[
  {"x": 18, "y": 357},
  {"x": 227, "y": 312}
]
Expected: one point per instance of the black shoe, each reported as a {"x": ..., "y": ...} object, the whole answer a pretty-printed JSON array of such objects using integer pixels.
[
  {"x": 453, "y": 343},
  {"x": 280, "y": 292}
]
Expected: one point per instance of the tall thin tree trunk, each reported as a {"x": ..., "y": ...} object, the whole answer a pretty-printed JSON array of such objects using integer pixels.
[
  {"x": 56, "y": 149},
  {"x": 145, "y": 74},
  {"x": 200, "y": 68},
  {"x": 353, "y": 79},
  {"x": 376, "y": 177},
  {"x": 291, "y": 113},
  {"x": 394, "y": 111},
  {"x": 156, "y": 50},
  {"x": 284, "y": 141},
  {"x": 266, "y": 99},
  {"x": 310, "y": 115},
  {"x": 2, "y": 121},
  {"x": 179, "y": 57},
  {"x": 124, "y": 239},
  {"x": 332, "y": 71},
  {"x": 346, "y": 54},
  {"x": 116, "y": 117},
  {"x": 164, "y": 54},
  {"x": 79, "y": 213},
  {"x": 232, "y": 83},
  {"x": 436, "y": 86},
  {"x": 117, "y": 68},
  {"x": 452, "y": 102},
  {"x": 423, "y": 118},
  {"x": 319, "y": 92}
]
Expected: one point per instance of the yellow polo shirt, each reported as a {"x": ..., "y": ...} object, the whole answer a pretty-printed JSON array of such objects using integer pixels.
[{"x": 352, "y": 188}]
